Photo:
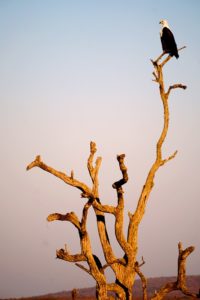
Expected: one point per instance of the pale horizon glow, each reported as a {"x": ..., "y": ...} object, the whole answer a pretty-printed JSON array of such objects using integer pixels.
[{"x": 76, "y": 71}]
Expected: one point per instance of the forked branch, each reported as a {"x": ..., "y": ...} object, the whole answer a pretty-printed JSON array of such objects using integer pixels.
[
  {"x": 93, "y": 170},
  {"x": 180, "y": 283},
  {"x": 155, "y": 62}
]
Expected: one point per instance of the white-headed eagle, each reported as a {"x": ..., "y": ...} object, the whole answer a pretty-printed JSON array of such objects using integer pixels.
[{"x": 167, "y": 39}]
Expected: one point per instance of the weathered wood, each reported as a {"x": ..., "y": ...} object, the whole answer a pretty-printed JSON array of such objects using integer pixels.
[{"x": 125, "y": 268}]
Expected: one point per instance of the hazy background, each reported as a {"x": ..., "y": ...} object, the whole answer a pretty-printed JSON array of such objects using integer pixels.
[{"x": 80, "y": 70}]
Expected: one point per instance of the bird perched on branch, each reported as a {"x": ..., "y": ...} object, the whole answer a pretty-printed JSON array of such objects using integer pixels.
[{"x": 167, "y": 40}]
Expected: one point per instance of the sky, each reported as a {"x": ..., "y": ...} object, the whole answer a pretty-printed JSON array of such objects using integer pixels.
[{"x": 76, "y": 71}]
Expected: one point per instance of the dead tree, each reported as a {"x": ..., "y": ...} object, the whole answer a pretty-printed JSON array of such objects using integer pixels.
[
  {"x": 180, "y": 283},
  {"x": 125, "y": 268}
]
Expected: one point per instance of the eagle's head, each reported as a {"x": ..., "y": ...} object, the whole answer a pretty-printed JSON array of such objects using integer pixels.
[{"x": 164, "y": 23}]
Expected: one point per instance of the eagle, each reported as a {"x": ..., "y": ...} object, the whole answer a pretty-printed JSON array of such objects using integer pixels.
[{"x": 167, "y": 40}]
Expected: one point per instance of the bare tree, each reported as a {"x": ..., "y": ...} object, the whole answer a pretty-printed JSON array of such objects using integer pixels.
[{"x": 125, "y": 268}]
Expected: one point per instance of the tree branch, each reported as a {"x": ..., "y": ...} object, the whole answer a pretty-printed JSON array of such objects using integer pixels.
[
  {"x": 123, "y": 169},
  {"x": 164, "y": 161},
  {"x": 169, "y": 57},
  {"x": 176, "y": 86},
  {"x": 103, "y": 234},
  {"x": 93, "y": 171},
  {"x": 117, "y": 261},
  {"x": 142, "y": 277},
  {"x": 104, "y": 208},
  {"x": 84, "y": 216},
  {"x": 86, "y": 191},
  {"x": 99, "y": 209},
  {"x": 136, "y": 218},
  {"x": 64, "y": 255},
  {"x": 117, "y": 185},
  {"x": 180, "y": 283},
  {"x": 119, "y": 214},
  {"x": 113, "y": 287},
  {"x": 70, "y": 217},
  {"x": 155, "y": 62},
  {"x": 83, "y": 268}
]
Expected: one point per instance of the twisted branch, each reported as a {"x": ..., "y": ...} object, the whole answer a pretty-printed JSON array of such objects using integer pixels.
[
  {"x": 118, "y": 184},
  {"x": 119, "y": 214},
  {"x": 70, "y": 217}
]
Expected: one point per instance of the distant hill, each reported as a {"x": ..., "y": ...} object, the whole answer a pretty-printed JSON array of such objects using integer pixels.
[{"x": 193, "y": 283}]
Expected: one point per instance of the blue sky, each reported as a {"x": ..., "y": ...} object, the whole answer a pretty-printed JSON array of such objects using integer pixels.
[{"x": 75, "y": 71}]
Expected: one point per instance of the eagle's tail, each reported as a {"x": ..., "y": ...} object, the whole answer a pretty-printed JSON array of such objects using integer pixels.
[{"x": 176, "y": 55}]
